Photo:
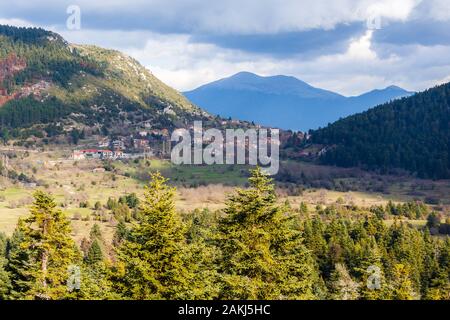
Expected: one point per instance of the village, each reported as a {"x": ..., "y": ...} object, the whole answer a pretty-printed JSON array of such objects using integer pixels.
[
  {"x": 148, "y": 142},
  {"x": 145, "y": 142}
]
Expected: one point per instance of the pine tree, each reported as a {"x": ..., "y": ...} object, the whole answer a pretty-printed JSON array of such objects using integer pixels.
[
  {"x": 201, "y": 256},
  {"x": 407, "y": 247},
  {"x": 431, "y": 268},
  {"x": 17, "y": 262},
  {"x": 439, "y": 287},
  {"x": 43, "y": 252},
  {"x": 151, "y": 260},
  {"x": 96, "y": 233},
  {"x": 303, "y": 208},
  {"x": 95, "y": 253},
  {"x": 401, "y": 286},
  {"x": 201, "y": 228},
  {"x": 343, "y": 287},
  {"x": 370, "y": 269},
  {"x": 120, "y": 233},
  {"x": 96, "y": 283},
  {"x": 5, "y": 281},
  {"x": 262, "y": 256},
  {"x": 313, "y": 233}
]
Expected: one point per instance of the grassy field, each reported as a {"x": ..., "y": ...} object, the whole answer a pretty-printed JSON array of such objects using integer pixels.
[{"x": 72, "y": 182}]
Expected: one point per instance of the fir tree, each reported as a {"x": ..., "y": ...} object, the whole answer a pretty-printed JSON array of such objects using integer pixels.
[
  {"x": 151, "y": 260},
  {"x": 5, "y": 281},
  {"x": 202, "y": 253},
  {"x": 96, "y": 283},
  {"x": 17, "y": 261},
  {"x": 120, "y": 233},
  {"x": 401, "y": 286},
  {"x": 370, "y": 269},
  {"x": 43, "y": 252},
  {"x": 439, "y": 287},
  {"x": 262, "y": 256},
  {"x": 95, "y": 253},
  {"x": 342, "y": 285},
  {"x": 96, "y": 233}
]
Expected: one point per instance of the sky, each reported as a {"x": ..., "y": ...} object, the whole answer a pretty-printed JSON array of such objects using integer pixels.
[{"x": 347, "y": 46}]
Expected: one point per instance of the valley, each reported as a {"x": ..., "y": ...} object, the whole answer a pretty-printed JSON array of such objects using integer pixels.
[
  {"x": 79, "y": 184},
  {"x": 87, "y": 181}
]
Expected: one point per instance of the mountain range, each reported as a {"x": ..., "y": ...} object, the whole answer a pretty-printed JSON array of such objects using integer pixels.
[
  {"x": 283, "y": 101},
  {"x": 50, "y": 88}
]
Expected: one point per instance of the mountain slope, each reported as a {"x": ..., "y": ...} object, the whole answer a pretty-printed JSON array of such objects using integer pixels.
[
  {"x": 282, "y": 101},
  {"x": 377, "y": 97},
  {"x": 45, "y": 80},
  {"x": 412, "y": 134}
]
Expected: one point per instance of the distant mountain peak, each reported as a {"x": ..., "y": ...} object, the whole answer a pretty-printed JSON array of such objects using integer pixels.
[
  {"x": 394, "y": 87},
  {"x": 245, "y": 74},
  {"x": 284, "y": 101},
  {"x": 389, "y": 93},
  {"x": 278, "y": 84}
]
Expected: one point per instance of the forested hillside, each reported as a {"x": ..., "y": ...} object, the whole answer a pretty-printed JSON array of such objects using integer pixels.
[
  {"x": 44, "y": 79},
  {"x": 411, "y": 134}
]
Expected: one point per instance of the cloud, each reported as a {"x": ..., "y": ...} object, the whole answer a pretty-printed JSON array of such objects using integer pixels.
[
  {"x": 16, "y": 22},
  {"x": 359, "y": 68},
  {"x": 308, "y": 43},
  {"x": 248, "y": 17},
  {"x": 424, "y": 32},
  {"x": 437, "y": 10},
  {"x": 187, "y": 43}
]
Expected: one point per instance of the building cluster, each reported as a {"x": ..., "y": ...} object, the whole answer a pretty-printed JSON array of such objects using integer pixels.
[
  {"x": 146, "y": 142},
  {"x": 35, "y": 89},
  {"x": 99, "y": 154}
]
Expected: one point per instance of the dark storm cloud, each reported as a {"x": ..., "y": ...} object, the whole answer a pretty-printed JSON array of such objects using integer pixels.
[
  {"x": 186, "y": 18},
  {"x": 306, "y": 43},
  {"x": 421, "y": 32},
  {"x": 323, "y": 41}
]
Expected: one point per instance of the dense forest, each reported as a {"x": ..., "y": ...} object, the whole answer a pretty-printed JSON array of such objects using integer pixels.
[
  {"x": 46, "y": 54},
  {"x": 255, "y": 248},
  {"x": 411, "y": 134},
  {"x": 28, "y": 111}
]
